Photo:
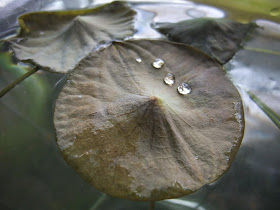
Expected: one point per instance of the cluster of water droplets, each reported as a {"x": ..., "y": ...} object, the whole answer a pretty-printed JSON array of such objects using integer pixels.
[
  {"x": 238, "y": 114},
  {"x": 169, "y": 78}
]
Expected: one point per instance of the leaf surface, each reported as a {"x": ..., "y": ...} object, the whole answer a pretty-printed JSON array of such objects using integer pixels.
[
  {"x": 219, "y": 38},
  {"x": 132, "y": 136},
  {"x": 59, "y": 40}
]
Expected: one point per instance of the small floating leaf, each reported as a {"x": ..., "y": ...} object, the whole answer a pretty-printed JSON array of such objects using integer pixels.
[
  {"x": 59, "y": 40},
  {"x": 132, "y": 136},
  {"x": 219, "y": 38}
]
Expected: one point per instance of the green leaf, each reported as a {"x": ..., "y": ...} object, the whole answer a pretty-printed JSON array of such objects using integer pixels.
[
  {"x": 247, "y": 10},
  {"x": 275, "y": 118},
  {"x": 219, "y": 38},
  {"x": 59, "y": 40},
  {"x": 131, "y": 135}
]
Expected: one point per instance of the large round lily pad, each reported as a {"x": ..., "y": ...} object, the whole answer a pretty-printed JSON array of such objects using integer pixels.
[{"x": 132, "y": 136}]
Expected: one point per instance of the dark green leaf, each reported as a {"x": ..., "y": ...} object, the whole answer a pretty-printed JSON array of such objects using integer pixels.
[{"x": 219, "y": 38}]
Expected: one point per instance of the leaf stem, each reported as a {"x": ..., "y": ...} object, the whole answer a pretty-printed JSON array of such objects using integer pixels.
[
  {"x": 272, "y": 52},
  {"x": 268, "y": 111},
  {"x": 13, "y": 84},
  {"x": 152, "y": 205}
]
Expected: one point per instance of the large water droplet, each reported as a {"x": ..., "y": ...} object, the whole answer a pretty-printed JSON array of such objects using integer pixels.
[
  {"x": 169, "y": 79},
  {"x": 275, "y": 11},
  {"x": 139, "y": 60},
  {"x": 158, "y": 63},
  {"x": 184, "y": 89}
]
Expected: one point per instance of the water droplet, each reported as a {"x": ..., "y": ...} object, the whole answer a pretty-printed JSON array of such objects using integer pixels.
[
  {"x": 196, "y": 157},
  {"x": 184, "y": 89},
  {"x": 139, "y": 60},
  {"x": 169, "y": 79},
  {"x": 158, "y": 63},
  {"x": 238, "y": 114},
  {"x": 42, "y": 33},
  {"x": 79, "y": 96},
  {"x": 275, "y": 11},
  {"x": 227, "y": 158}
]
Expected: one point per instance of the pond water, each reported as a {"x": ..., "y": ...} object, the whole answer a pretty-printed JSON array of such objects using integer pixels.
[{"x": 35, "y": 176}]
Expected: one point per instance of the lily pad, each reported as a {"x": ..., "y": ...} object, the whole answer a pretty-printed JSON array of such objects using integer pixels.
[
  {"x": 132, "y": 136},
  {"x": 219, "y": 38},
  {"x": 59, "y": 40}
]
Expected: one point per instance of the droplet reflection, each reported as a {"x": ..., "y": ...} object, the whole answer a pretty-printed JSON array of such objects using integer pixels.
[
  {"x": 158, "y": 63},
  {"x": 169, "y": 79},
  {"x": 184, "y": 88}
]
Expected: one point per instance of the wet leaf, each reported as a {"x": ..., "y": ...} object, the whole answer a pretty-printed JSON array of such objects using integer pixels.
[
  {"x": 132, "y": 136},
  {"x": 219, "y": 38},
  {"x": 59, "y": 40}
]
